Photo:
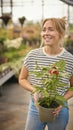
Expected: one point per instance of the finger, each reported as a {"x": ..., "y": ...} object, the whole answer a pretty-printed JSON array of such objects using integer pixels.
[{"x": 57, "y": 110}]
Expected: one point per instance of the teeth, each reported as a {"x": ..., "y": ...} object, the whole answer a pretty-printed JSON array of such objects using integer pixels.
[{"x": 48, "y": 37}]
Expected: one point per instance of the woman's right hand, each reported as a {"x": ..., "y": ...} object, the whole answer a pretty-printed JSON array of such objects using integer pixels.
[{"x": 36, "y": 97}]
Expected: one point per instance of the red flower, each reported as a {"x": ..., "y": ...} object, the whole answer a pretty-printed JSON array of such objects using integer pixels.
[{"x": 53, "y": 71}]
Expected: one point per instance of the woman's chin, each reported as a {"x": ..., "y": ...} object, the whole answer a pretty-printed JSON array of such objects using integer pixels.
[{"x": 48, "y": 44}]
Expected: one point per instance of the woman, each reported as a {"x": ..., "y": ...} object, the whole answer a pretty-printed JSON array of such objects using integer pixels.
[{"x": 53, "y": 31}]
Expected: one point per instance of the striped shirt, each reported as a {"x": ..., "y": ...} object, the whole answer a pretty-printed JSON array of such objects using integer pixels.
[{"x": 43, "y": 59}]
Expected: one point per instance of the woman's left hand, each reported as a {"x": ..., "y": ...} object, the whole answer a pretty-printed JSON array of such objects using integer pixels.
[{"x": 57, "y": 110}]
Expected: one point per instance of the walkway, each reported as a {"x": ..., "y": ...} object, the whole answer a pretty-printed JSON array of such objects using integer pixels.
[{"x": 13, "y": 106}]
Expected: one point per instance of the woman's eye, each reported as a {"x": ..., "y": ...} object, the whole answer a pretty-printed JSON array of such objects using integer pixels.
[
  {"x": 43, "y": 30},
  {"x": 48, "y": 29},
  {"x": 51, "y": 29}
]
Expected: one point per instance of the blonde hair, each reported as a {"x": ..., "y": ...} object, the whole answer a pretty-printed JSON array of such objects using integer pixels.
[{"x": 59, "y": 24}]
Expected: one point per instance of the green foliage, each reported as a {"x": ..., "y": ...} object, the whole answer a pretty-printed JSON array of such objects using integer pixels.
[
  {"x": 70, "y": 28},
  {"x": 13, "y": 53},
  {"x": 3, "y": 35},
  {"x": 14, "y": 65},
  {"x": 12, "y": 56},
  {"x": 51, "y": 80}
]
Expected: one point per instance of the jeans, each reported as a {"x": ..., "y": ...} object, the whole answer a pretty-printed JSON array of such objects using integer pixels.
[{"x": 33, "y": 122}]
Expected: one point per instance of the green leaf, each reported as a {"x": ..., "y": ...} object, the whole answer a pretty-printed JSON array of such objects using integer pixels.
[
  {"x": 60, "y": 100},
  {"x": 71, "y": 89},
  {"x": 60, "y": 64}
]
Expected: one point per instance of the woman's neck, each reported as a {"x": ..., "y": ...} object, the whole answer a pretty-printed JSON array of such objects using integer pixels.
[{"x": 53, "y": 51}]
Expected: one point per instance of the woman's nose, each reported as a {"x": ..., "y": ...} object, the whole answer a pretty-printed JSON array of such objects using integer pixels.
[{"x": 47, "y": 32}]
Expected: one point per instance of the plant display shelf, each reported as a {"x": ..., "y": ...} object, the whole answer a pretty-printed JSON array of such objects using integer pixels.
[{"x": 5, "y": 75}]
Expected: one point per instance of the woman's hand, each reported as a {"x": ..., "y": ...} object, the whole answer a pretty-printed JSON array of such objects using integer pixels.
[
  {"x": 36, "y": 96},
  {"x": 57, "y": 110}
]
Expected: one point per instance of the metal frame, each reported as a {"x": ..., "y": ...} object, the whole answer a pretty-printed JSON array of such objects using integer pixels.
[
  {"x": 11, "y": 5},
  {"x": 69, "y": 2}
]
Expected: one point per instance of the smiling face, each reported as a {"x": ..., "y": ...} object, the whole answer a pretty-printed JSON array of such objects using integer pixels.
[{"x": 50, "y": 34}]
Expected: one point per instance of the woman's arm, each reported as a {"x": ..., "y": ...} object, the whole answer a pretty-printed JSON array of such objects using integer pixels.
[
  {"x": 23, "y": 79},
  {"x": 69, "y": 94}
]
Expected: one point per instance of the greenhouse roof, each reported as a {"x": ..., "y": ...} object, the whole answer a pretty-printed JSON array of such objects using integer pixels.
[{"x": 69, "y": 2}]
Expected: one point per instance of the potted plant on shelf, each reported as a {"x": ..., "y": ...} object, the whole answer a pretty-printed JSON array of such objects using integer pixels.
[{"x": 51, "y": 80}]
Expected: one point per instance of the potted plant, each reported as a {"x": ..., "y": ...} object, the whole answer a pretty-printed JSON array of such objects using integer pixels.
[{"x": 51, "y": 80}]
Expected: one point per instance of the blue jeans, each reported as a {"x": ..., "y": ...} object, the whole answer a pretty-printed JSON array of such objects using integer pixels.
[{"x": 33, "y": 122}]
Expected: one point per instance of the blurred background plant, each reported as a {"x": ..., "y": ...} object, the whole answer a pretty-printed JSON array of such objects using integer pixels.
[
  {"x": 69, "y": 39},
  {"x": 15, "y": 42}
]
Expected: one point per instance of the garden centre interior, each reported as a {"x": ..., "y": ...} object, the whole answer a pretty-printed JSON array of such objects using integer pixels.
[{"x": 20, "y": 28}]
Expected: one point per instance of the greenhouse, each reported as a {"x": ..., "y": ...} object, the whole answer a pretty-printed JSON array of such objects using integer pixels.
[{"x": 20, "y": 32}]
